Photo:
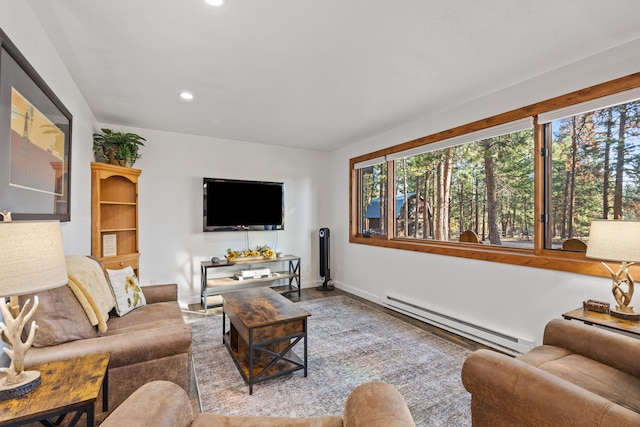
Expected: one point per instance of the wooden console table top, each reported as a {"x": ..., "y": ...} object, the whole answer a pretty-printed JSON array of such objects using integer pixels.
[
  {"x": 604, "y": 319},
  {"x": 67, "y": 386}
]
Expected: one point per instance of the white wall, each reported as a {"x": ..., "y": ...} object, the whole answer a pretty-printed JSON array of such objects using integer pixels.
[
  {"x": 172, "y": 243},
  {"x": 514, "y": 300}
]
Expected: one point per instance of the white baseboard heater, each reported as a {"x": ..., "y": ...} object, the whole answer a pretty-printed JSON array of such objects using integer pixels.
[{"x": 494, "y": 339}]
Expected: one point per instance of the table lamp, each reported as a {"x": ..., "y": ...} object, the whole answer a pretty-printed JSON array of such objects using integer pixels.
[
  {"x": 31, "y": 260},
  {"x": 617, "y": 240}
]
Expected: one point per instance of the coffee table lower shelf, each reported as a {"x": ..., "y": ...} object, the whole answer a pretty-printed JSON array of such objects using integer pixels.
[{"x": 269, "y": 359}]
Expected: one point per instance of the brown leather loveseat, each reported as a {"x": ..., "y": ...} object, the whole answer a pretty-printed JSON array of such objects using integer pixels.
[
  {"x": 581, "y": 376},
  {"x": 151, "y": 342},
  {"x": 163, "y": 404}
]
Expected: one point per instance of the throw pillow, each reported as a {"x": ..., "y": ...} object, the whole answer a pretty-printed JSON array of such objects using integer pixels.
[
  {"x": 59, "y": 316},
  {"x": 126, "y": 290}
]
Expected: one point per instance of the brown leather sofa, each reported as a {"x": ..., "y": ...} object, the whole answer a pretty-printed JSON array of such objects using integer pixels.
[
  {"x": 581, "y": 376},
  {"x": 149, "y": 343},
  {"x": 163, "y": 404}
]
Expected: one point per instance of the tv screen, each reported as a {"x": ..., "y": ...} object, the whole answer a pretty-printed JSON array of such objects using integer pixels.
[{"x": 237, "y": 205}]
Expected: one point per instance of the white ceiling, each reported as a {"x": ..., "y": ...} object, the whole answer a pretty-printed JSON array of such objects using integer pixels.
[{"x": 314, "y": 74}]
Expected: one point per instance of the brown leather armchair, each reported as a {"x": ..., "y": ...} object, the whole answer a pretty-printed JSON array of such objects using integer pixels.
[
  {"x": 164, "y": 404},
  {"x": 581, "y": 376}
]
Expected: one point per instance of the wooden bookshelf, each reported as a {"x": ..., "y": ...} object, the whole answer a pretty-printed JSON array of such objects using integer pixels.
[{"x": 114, "y": 212}]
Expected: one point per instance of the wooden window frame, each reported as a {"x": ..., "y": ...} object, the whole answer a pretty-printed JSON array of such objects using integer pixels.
[{"x": 539, "y": 257}]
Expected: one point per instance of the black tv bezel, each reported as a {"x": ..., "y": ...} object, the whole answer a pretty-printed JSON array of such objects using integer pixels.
[{"x": 239, "y": 227}]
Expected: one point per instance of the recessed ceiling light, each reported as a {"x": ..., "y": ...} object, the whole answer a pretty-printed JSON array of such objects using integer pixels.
[
  {"x": 214, "y": 2},
  {"x": 186, "y": 95}
]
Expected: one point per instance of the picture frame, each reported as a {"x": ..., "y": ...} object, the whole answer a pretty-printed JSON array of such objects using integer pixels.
[{"x": 35, "y": 142}]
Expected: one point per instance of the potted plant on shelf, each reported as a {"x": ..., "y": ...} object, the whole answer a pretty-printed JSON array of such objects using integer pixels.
[{"x": 117, "y": 148}]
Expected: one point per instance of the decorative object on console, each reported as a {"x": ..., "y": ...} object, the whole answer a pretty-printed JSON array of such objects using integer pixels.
[
  {"x": 597, "y": 306},
  {"x": 117, "y": 148},
  {"x": 617, "y": 240},
  {"x": 260, "y": 252},
  {"x": 31, "y": 260},
  {"x": 126, "y": 290}
]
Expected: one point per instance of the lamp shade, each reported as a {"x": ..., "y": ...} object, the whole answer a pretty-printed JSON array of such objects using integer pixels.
[
  {"x": 614, "y": 240},
  {"x": 31, "y": 257}
]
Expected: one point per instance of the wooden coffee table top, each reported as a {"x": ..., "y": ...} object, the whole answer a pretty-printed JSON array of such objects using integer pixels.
[{"x": 261, "y": 307}]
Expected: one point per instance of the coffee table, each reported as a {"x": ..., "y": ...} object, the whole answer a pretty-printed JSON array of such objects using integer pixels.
[
  {"x": 67, "y": 386},
  {"x": 263, "y": 328}
]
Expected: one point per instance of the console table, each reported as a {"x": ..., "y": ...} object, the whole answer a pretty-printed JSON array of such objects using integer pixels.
[
  {"x": 605, "y": 320},
  {"x": 211, "y": 288}
]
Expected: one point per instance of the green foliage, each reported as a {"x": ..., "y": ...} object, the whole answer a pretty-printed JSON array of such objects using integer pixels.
[{"x": 118, "y": 148}]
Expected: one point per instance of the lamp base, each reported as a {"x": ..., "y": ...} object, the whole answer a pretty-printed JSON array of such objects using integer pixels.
[
  {"x": 31, "y": 382},
  {"x": 624, "y": 314}
]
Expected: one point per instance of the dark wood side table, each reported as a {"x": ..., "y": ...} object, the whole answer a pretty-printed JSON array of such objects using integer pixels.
[
  {"x": 604, "y": 320},
  {"x": 67, "y": 386}
]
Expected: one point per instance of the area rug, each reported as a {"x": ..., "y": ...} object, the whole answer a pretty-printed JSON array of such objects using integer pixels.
[{"x": 349, "y": 343}]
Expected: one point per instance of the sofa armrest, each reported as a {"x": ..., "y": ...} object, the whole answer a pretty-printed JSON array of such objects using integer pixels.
[
  {"x": 607, "y": 347},
  {"x": 160, "y": 293},
  {"x": 500, "y": 383},
  {"x": 155, "y": 404},
  {"x": 376, "y": 404}
]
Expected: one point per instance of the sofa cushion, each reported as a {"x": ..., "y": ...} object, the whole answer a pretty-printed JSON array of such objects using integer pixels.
[
  {"x": 150, "y": 316},
  {"x": 605, "y": 381},
  {"x": 60, "y": 318},
  {"x": 126, "y": 290}
]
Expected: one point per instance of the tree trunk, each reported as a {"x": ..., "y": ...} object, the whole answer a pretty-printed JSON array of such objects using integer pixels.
[
  {"x": 492, "y": 194},
  {"x": 617, "y": 192},
  {"x": 405, "y": 204},
  {"x": 575, "y": 137},
  {"x": 427, "y": 222},
  {"x": 444, "y": 191},
  {"x": 607, "y": 165}
]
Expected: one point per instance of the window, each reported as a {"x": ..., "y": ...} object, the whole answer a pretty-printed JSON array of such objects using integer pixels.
[
  {"x": 511, "y": 188},
  {"x": 594, "y": 166},
  {"x": 482, "y": 188},
  {"x": 372, "y": 179}
]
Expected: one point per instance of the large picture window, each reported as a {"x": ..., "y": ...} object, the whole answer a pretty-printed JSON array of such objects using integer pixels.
[
  {"x": 480, "y": 191},
  {"x": 594, "y": 164},
  {"x": 521, "y": 187}
]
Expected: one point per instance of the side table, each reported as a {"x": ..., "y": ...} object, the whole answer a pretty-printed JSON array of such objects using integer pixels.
[
  {"x": 67, "y": 386},
  {"x": 605, "y": 320}
]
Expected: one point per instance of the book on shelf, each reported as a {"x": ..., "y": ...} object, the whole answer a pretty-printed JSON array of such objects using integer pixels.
[
  {"x": 109, "y": 245},
  {"x": 248, "y": 274},
  {"x": 240, "y": 277}
]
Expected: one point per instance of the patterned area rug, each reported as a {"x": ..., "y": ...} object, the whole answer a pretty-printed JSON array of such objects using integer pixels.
[{"x": 349, "y": 343}]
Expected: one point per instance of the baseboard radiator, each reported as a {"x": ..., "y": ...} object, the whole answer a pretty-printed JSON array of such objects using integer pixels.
[{"x": 494, "y": 339}]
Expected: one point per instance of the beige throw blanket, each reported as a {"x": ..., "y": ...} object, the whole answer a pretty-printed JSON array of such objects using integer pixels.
[{"x": 89, "y": 284}]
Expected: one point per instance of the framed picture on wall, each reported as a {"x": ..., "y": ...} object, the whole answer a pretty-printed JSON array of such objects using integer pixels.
[{"x": 35, "y": 142}]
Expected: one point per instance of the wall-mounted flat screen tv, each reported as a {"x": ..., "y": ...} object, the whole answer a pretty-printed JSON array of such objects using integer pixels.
[{"x": 238, "y": 205}]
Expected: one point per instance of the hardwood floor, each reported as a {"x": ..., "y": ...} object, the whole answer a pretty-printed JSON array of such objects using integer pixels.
[{"x": 195, "y": 310}]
